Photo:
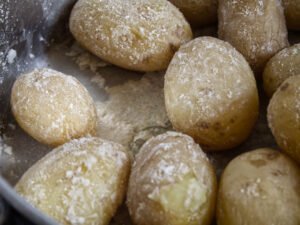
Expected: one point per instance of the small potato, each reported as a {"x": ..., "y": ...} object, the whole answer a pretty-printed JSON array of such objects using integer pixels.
[
  {"x": 258, "y": 188},
  {"x": 292, "y": 13},
  {"x": 172, "y": 182},
  {"x": 284, "y": 64},
  {"x": 52, "y": 107},
  {"x": 255, "y": 28},
  {"x": 284, "y": 116},
  {"x": 140, "y": 35},
  {"x": 211, "y": 94},
  {"x": 81, "y": 182},
  {"x": 198, "y": 12}
]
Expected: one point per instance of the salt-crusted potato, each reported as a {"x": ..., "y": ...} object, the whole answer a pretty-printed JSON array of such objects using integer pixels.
[
  {"x": 52, "y": 107},
  {"x": 172, "y": 182},
  {"x": 210, "y": 94},
  {"x": 292, "y": 13},
  {"x": 81, "y": 182},
  {"x": 284, "y": 64},
  {"x": 138, "y": 35},
  {"x": 283, "y": 116},
  {"x": 258, "y": 188},
  {"x": 255, "y": 28},
  {"x": 198, "y": 12}
]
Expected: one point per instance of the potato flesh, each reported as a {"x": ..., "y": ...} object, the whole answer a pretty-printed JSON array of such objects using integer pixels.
[
  {"x": 81, "y": 182},
  {"x": 259, "y": 187},
  {"x": 255, "y": 28},
  {"x": 172, "y": 183}
]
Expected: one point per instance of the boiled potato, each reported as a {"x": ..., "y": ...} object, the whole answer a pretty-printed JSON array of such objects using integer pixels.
[
  {"x": 258, "y": 188},
  {"x": 255, "y": 28},
  {"x": 284, "y": 64},
  {"x": 138, "y": 35},
  {"x": 210, "y": 94},
  {"x": 292, "y": 13},
  {"x": 52, "y": 107},
  {"x": 198, "y": 12},
  {"x": 80, "y": 182},
  {"x": 172, "y": 182},
  {"x": 284, "y": 116}
]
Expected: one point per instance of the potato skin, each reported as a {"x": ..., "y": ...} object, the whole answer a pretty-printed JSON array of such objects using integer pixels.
[
  {"x": 81, "y": 182},
  {"x": 52, "y": 107},
  {"x": 198, "y": 12},
  {"x": 255, "y": 28},
  {"x": 139, "y": 35},
  {"x": 172, "y": 183},
  {"x": 292, "y": 13},
  {"x": 283, "y": 116},
  {"x": 258, "y": 188},
  {"x": 210, "y": 94},
  {"x": 284, "y": 64}
]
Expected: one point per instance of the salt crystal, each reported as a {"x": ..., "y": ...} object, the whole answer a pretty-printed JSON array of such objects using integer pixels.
[{"x": 11, "y": 55}]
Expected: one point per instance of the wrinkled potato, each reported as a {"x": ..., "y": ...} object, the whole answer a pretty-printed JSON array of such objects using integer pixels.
[
  {"x": 172, "y": 182},
  {"x": 258, "y": 188},
  {"x": 284, "y": 114},
  {"x": 284, "y": 64},
  {"x": 256, "y": 29},
  {"x": 292, "y": 13},
  {"x": 198, "y": 12},
  {"x": 52, "y": 107},
  {"x": 81, "y": 182},
  {"x": 139, "y": 35},
  {"x": 210, "y": 94}
]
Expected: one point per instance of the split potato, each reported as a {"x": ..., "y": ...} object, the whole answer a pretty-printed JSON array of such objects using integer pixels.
[
  {"x": 292, "y": 13},
  {"x": 211, "y": 94},
  {"x": 140, "y": 35},
  {"x": 284, "y": 116},
  {"x": 172, "y": 182},
  {"x": 52, "y": 107},
  {"x": 81, "y": 182},
  {"x": 198, "y": 12},
  {"x": 258, "y": 188},
  {"x": 284, "y": 64},
  {"x": 256, "y": 29}
]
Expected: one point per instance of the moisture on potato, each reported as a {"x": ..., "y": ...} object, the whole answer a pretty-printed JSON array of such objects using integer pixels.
[
  {"x": 139, "y": 35},
  {"x": 198, "y": 12},
  {"x": 292, "y": 13},
  {"x": 284, "y": 64},
  {"x": 284, "y": 116},
  {"x": 256, "y": 28},
  {"x": 210, "y": 94},
  {"x": 172, "y": 182},
  {"x": 81, "y": 182},
  {"x": 258, "y": 188},
  {"x": 52, "y": 107}
]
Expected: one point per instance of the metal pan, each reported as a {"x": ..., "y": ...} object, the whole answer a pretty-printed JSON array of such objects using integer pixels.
[{"x": 29, "y": 33}]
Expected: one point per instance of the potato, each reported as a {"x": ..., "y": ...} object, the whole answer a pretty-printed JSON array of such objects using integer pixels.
[
  {"x": 258, "y": 188},
  {"x": 292, "y": 13},
  {"x": 172, "y": 182},
  {"x": 284, "y": 114},
  {"x": 198, "y": 12},
  {"x": 52, "y": 107},
  {"x": 255, "y": 28},
  {"x": 211, "y": 94},
  {"x": 284, "y": 64},
  {"x": 139, "y": 35},
  {"x": 81, "y": 182}
]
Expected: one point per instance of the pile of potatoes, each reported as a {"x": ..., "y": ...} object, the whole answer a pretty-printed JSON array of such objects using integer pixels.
[{"x": 212, "y": 101}]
